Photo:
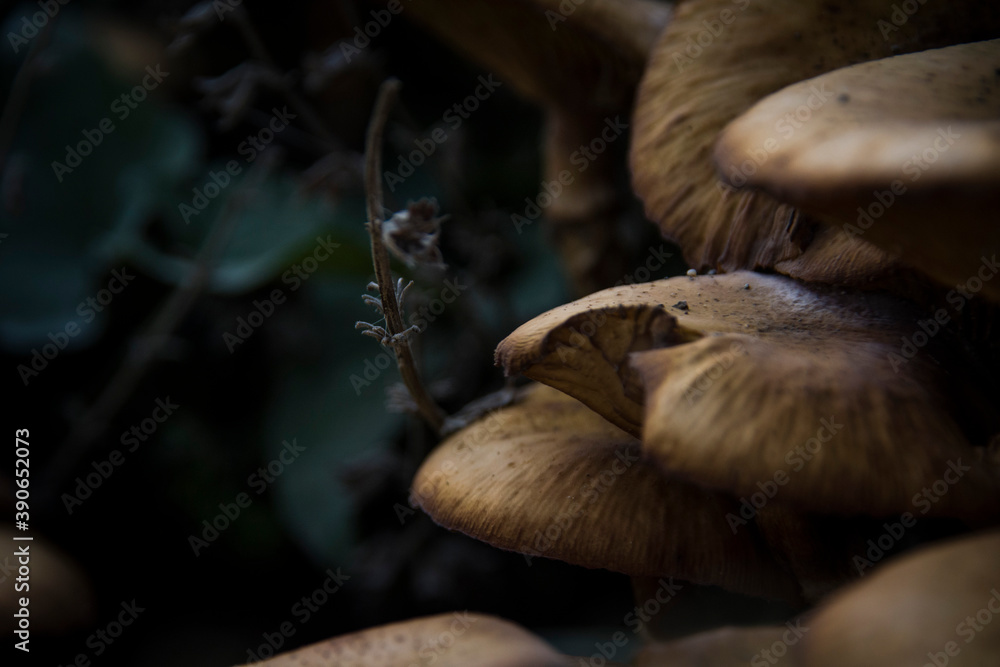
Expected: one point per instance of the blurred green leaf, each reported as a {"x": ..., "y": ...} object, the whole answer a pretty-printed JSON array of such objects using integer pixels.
[
  {"x": 60, "y": 225},
  {"x": 337, "y": 420},
  {"x": 275, "y": 225}
]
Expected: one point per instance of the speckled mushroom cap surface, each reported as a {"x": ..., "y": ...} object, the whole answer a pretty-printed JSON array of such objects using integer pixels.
[{"x": 549, "y": 477}]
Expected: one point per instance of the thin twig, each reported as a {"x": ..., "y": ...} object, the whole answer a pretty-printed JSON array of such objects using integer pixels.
[
  {"x": 260, "y": 52},
  {"x": 430, "y": 410}
]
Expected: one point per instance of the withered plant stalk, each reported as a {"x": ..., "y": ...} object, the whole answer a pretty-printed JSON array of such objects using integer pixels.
[{"x": 396, "y": 333}]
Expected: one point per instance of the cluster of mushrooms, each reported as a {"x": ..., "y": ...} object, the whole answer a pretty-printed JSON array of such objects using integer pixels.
[{"x": 831, "y": 172}]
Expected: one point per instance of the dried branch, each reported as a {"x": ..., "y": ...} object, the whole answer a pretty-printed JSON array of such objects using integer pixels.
[{"x": 394, "y": 335}]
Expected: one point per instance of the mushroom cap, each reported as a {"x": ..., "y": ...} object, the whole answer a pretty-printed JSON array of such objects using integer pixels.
[
  {"x": 937, "y": 601},
  {"x": 903, "y": 152},
  {"x": 457, "y": 639},
  {"x": 590, "y": 58},
  {"x": 760, "y": 379},
  {"x": 582, "y": 348},
  {"x": 712, "y": 62},
  {"x": 724, "y": 647},
  {"x": 549, "y": 477}
]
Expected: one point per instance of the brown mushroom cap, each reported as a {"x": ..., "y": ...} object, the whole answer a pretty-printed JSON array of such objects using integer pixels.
[
  {"x": 903, "y": 152},
  {"x": 725, "y": 647},
  {"x": 458, "y": 639},
  {"x": 713, "y": 61},
  {"x": 582, "y": 348},
  {"x": 745, "y": 377},
  {"x": 549, "y": 477},
  {"x": 939, "y": 605}
]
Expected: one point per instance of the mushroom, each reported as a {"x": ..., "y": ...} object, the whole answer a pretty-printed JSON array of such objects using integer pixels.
[
  {"x": 447, "y": 640},
  {"x": 726, "y": 647},
  {"x": 580, "y": 62},
  {"x": 938, "y": 605},
  {"x": 713, "y": 61},
  {"x": 549, "y": 477},
  {"x": 904, "y": 152},
  {"x": 765, "y": 381}
]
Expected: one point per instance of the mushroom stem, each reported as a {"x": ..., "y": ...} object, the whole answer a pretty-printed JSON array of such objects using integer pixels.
[
  {"x": 429, "y": 410},
  {"x": 582, "y": 216}
]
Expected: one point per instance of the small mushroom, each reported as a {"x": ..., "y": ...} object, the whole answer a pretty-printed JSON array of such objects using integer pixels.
[
  {"x": 549, "y": 477},
  {"x": 713, "y": 61},
  {"x": 458, "y": 639},
  {"x": 580, "y": 62},
  {"x": 813, "y": 383},
  {"x": 939, "y": 605},
  {"x": 904, "y": 153}
]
